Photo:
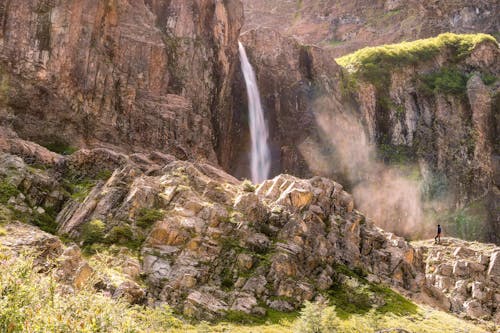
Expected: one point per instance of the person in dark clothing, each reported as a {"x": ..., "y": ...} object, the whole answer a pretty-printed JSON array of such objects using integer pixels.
[{"x": 437, "y": 239}]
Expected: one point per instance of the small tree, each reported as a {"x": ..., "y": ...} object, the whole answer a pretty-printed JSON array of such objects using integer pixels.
[{"x": 93, "y": 232}]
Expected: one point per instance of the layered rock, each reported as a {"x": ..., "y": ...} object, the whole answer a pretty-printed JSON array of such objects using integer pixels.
[
  {"x": 464, "y": 277},
  {"x": 135, "y": 75},
  {"x": 346, "y": 26},
  {"x": 211, "y": 244}
]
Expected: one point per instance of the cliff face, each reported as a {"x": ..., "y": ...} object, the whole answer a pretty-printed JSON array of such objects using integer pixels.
[
  {"x": 433, "y": 115},
  {"x": 345, "y": 26},
  {"x": 135, "y": 75},
  {"x": 291, "y": 76}
]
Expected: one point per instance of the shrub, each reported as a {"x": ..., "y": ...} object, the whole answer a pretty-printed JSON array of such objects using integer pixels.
[
  {"x": 7, "y": 190},
  {"x": 36, "y": 305},
  {"x": 60, "y": 147},
  {"x": 46, "y": 222},
  {"x": 318, "y": 318},
  {"x": 120, "y": 234},
  {"x": 248, "y": 186},
  {"x": 148, "y": 216},
  {"x": 93, "y": 232},
  {"x": 446, "y": 81}
]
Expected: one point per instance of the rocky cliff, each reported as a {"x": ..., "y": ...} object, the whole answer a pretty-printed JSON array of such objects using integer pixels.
[
  {"x": 131, "y": 75},
  {"x": 346, "y": 26}
]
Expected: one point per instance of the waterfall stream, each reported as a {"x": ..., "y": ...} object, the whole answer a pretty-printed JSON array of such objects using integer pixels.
[{"x": 260, "y": 153}]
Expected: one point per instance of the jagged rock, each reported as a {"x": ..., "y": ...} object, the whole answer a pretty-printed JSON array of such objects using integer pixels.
[
  {"x": 201, "y": 305},
  {"x": 131, "y": 292},
  {"x": 473, "y": 293},
  {"x": 494, "y": 267},
  {"x": 474, "y": 309},
  {"x": 244, "y": 303}
]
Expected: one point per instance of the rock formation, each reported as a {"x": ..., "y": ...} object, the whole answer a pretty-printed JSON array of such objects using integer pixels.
[
  {"x": 463, "y": 277},
  {"x": 124, "y": 74},
  {"x": 346, "y": 26}
]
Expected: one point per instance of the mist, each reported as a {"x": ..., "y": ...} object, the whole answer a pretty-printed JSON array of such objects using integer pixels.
[{"x": 383, "y": 193}]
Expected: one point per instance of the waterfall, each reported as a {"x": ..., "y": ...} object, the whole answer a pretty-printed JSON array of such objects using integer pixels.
[{"x": 260, "y": 153}]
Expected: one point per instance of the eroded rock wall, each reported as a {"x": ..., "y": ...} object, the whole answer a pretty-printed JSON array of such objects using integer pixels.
[{"x": 134, "y": 75}]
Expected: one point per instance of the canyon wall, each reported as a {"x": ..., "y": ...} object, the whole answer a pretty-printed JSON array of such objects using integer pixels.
[
  {"x": 345, "y": 26},
  {"x": 126, "y": 74}
]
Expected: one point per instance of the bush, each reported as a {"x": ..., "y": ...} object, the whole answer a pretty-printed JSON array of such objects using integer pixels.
[
  {"x": 60, "y": 147},
  {"x": 93, "y": 232},
  {"x": 120, "y": 234},
  {"x": 248, "y": 186},
  {"x": 7, "y": 190},
  {"x": 446, "y": 81},
  {"x": 148, "y": 216},
  {"x": 318, "y": 318}
]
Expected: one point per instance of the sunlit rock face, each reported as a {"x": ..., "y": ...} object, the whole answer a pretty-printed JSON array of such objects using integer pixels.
[
  {"x": 348, "y": 25},
  {"x": 130, "y": 74}
]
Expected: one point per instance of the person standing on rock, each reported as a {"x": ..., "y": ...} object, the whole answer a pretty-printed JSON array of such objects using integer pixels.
[{"x": 437, "y": 239}]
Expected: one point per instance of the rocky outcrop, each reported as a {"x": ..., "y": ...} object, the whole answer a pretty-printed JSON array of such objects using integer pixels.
[
  {"x": 464, "y": 276},
  {"x": 133, "y": 75},
  {"x": 212, "y": 245},
  {"x": 67, "y": 266},
  {"x": 346, "y": 26}
]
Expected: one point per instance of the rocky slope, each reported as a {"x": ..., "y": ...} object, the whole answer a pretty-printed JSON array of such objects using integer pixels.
[
  {"x": 463, "y": 276},
  {"x": 124, "y": 74},
  {"x": 346, "y": 26},
  {"x": 208, "y": 243}
]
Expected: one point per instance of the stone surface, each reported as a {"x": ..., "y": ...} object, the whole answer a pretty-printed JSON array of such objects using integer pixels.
[{"x": 462, "y": 285}]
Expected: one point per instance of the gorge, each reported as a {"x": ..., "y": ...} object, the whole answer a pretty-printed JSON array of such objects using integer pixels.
[{"x": 128, "y": 128}]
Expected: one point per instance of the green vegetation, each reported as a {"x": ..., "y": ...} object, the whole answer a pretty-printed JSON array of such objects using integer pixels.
[
  {"x": 488, "y": 78},
  {"x": 446, "y": 81},
  {"x": 374, "y": 64},
  {"x": 124, "y": 235},
  {"x": 396, "y": 154},
  {"x": 148, "y": 216},
  {"x": 45, "y": 221},
  {"x": 7, "y": 190},
  {"x": 38, "y": 305},
  {"x": 248, "y": 186},
  {"x": 93, "y": 232},
  {"x": 353, "y": 294},
  {"x": 80, "y": 189},
  {"x": 60, "y": 147}
]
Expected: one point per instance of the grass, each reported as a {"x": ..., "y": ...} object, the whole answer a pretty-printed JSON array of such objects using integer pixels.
[
  {"x": 7, "y": 190},
  {"x": 39, "y": 305},
  {"x": 374, "y": 64},
  {"x": 354, "y": 295},
  {"x": 148, "y": 216}
]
